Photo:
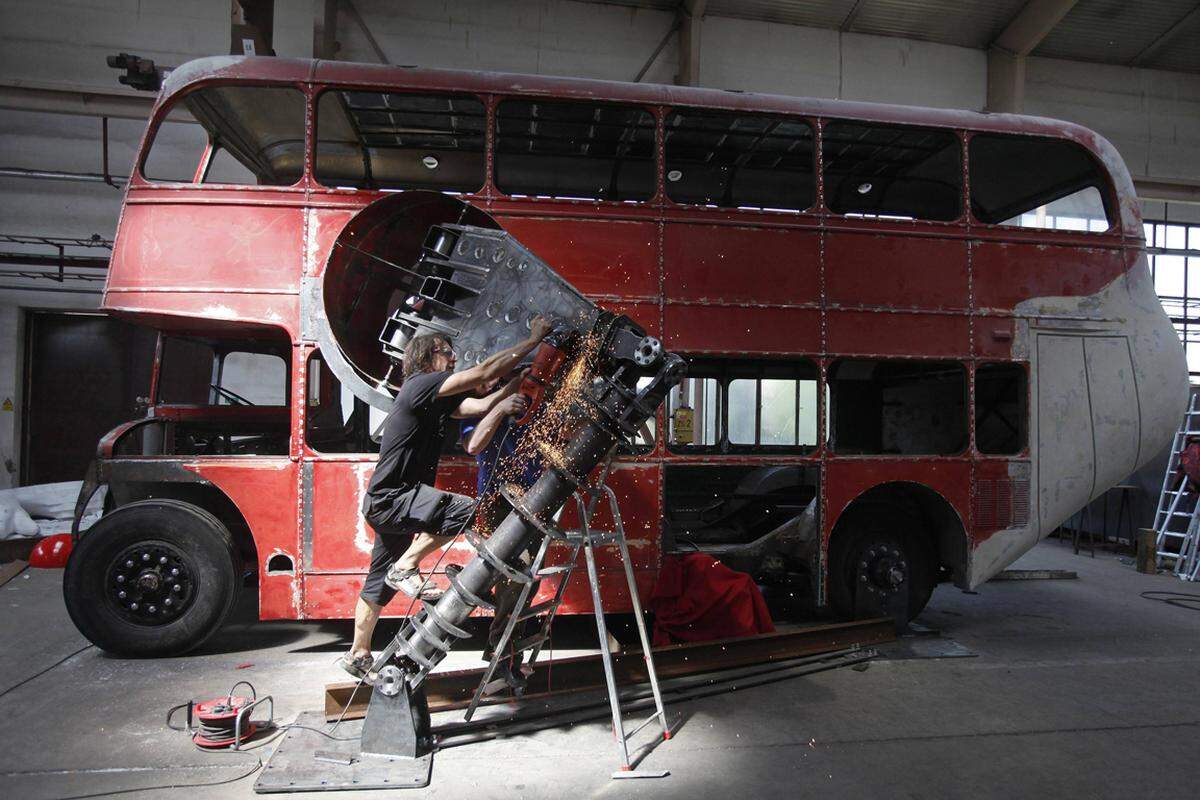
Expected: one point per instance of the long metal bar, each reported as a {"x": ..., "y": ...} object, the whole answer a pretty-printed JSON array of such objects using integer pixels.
[
  {"x": 453, "y": 689},
  {"x": 41, "y": 260},
  {"x": 60, "y": 175},
  {"x": 487, "y": 730}
]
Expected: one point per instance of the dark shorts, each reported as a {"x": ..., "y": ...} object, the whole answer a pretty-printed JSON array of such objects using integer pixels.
[{"x": 398, "y": 519}]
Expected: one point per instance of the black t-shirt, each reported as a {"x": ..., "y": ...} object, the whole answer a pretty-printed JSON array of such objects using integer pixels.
[{"x": 412, "y": 436}]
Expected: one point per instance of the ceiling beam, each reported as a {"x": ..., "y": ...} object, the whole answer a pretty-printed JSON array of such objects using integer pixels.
[
  {"x": 1174, "y": 190},
  {"x": 1029, "y": 27},
  {"x": 1006, "y": 55},
  {"x": 1167, "y": 36},
  {"x": 87, "y": 101},
  {"x": 848, "y": 22}
]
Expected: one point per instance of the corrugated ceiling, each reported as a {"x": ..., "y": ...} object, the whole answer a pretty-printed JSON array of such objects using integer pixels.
[{"x": 1104, "y": 31}]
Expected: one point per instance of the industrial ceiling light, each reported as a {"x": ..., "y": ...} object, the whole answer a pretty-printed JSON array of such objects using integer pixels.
[
  {"x": 674, "y": 175},
  {"x": 430, "y": 162},
  {"x": 863, "y": 188}
]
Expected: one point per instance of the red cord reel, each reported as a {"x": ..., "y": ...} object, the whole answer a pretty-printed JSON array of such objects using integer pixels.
[{"x": 223, "y": 721}]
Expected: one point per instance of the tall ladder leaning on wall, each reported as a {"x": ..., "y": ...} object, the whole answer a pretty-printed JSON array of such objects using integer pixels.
[{"x": 1177, "y": 521}]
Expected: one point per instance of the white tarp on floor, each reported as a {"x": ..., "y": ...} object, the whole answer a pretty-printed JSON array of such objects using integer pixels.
[{"x": 44, "y": 509}]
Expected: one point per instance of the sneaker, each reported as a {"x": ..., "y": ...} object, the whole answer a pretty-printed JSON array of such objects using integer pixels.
[
  {"x": 409, "y": 582},
  {"x": 359, "y": 667}
]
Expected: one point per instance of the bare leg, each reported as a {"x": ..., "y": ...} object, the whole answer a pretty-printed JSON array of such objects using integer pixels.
[
  {"x": 366, "y": 614},
  {"x": 423, "y": 544}
]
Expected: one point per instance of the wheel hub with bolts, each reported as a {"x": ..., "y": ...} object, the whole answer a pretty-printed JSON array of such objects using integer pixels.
[
  {"x": 882, "y": 569},
  {"x": 150, "y": 583}
]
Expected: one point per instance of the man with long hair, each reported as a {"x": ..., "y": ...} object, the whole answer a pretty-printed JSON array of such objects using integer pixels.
[{"x": 411, "y": 518}]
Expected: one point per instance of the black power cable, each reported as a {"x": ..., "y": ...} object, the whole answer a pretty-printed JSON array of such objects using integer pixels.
[{"x": 1179, "y": 599}]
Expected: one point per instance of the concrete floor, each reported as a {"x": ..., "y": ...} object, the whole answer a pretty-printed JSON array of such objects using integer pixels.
[{"x": 1080, "y": 688}]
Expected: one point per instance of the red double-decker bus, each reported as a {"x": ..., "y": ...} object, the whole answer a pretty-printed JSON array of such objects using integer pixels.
[{"x": 918, "y": 339}]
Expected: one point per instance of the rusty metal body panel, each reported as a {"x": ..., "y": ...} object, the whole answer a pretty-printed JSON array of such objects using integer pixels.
[{"x": 709, "y": 281}]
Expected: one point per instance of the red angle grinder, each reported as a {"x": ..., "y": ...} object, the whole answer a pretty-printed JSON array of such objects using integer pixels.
[
  {"x": 547, "y": 361},
  {"x": 224, "y": 721}
]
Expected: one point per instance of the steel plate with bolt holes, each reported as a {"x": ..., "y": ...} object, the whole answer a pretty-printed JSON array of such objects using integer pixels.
[{"x": 306, "y": 761}]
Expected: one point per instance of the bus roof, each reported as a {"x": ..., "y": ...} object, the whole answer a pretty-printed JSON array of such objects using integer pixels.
[{"x": 344, "y": 73}]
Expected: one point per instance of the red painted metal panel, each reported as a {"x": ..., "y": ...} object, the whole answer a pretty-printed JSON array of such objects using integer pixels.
[
  {"x": 264, "y": 489},
  {"x": 994, "y": 337},
  {"x": 895, "y": 270},
  {"x": 598, "y": 257},
  {"x": 741, "y": 329},
  {"x": 847, "y": 478},
  {"x": 898, "y": 334},
  {"x": 208, "y": 312},
  {"x": 208, "y": 246},
  {"x": 728, "y": 263},
  {"x": 1007, "y": 273}
]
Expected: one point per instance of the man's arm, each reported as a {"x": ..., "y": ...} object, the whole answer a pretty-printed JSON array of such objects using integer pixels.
[
  {"x": 478, "y": 406},
  {"x": 496, "y": 365},
  {"x": 485, "y": 430}
]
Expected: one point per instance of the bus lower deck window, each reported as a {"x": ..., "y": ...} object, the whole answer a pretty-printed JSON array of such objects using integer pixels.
[
  {"x": 572, "y": 150},
  {"x": 739, "y": 161},
  {"x": 1001, "y": 409},
  {"x": 891, "y": 171},
  {"x": 392, "y": 140},
  {"x": 901, "y": 407},
  {"x": 1032, "y": 182}
]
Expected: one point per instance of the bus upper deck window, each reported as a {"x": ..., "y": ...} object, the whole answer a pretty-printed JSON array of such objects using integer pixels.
[
  {"x": 572, "y": 150},
  {"x": 391, "y": 140},
  {"x": 1036, "y": 183},
  {"x": 256, "y": 133},
  {"x": 891, "y": 171},
  {"x": 739, "y": 161}
]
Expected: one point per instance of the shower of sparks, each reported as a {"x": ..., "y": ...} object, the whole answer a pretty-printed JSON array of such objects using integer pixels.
[{"x": 551, "y": 430}]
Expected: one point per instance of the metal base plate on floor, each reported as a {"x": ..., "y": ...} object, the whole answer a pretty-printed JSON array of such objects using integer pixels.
[{"x": 295, "y": 767}]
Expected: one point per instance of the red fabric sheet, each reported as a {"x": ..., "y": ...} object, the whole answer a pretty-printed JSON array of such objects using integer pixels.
[{"x": 698, "y": 599}]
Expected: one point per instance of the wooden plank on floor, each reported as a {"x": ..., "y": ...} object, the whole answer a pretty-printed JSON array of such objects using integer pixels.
[
  {"x": 450, "y": 690},
  {"x": 11, "y": 569}
]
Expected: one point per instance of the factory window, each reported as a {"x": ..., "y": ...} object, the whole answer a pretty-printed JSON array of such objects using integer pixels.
[
  {"x": 1000, "y": 409},
  {"x": 1173, "y": 249},
  {"x": 891, "y": 172},
  {"x": 897, "y": 407},
  {"x": 388, "y": 140},
  {"x": 585, "y": 151},
  {"x": 739, "y": 161},
  {"x": 231, "y": 135},
  {"x": 1036, "y": 183},
  {"x": 744, "y": 406}
]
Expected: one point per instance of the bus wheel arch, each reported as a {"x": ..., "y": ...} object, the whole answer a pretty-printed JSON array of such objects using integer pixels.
[
  {"x": 902, "y": 529},
  {"x": 156, "y": 577},
  {"x": 205, "y": 496}
]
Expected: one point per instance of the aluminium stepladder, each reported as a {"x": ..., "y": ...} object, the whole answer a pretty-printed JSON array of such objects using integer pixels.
[
  {"x": 1177, "y": 520},
  {"x": 587, "y": 540}
]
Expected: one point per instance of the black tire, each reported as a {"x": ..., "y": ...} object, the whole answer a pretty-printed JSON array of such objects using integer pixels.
[
  {"x": 895, "y": 539},
  {"x": 152, "y": 578}
]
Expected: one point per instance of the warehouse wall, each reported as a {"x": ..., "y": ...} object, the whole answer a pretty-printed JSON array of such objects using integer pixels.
[{"x": 1152, "y": 117}]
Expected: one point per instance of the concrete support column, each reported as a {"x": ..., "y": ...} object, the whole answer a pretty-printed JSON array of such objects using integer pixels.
[
  {"x": 691, "y": 15},
  {"x": 1005, "y": 82}
]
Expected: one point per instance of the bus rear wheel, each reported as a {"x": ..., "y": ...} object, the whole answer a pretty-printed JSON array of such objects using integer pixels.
[
  {"x": 880, "y": 565},
  {"x": 152, "y": 578}
]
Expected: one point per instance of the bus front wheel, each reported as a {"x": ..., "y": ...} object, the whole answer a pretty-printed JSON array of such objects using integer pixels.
[
  {"x": 152, "y": 578},
  {"x": 880, "y": 565}
]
